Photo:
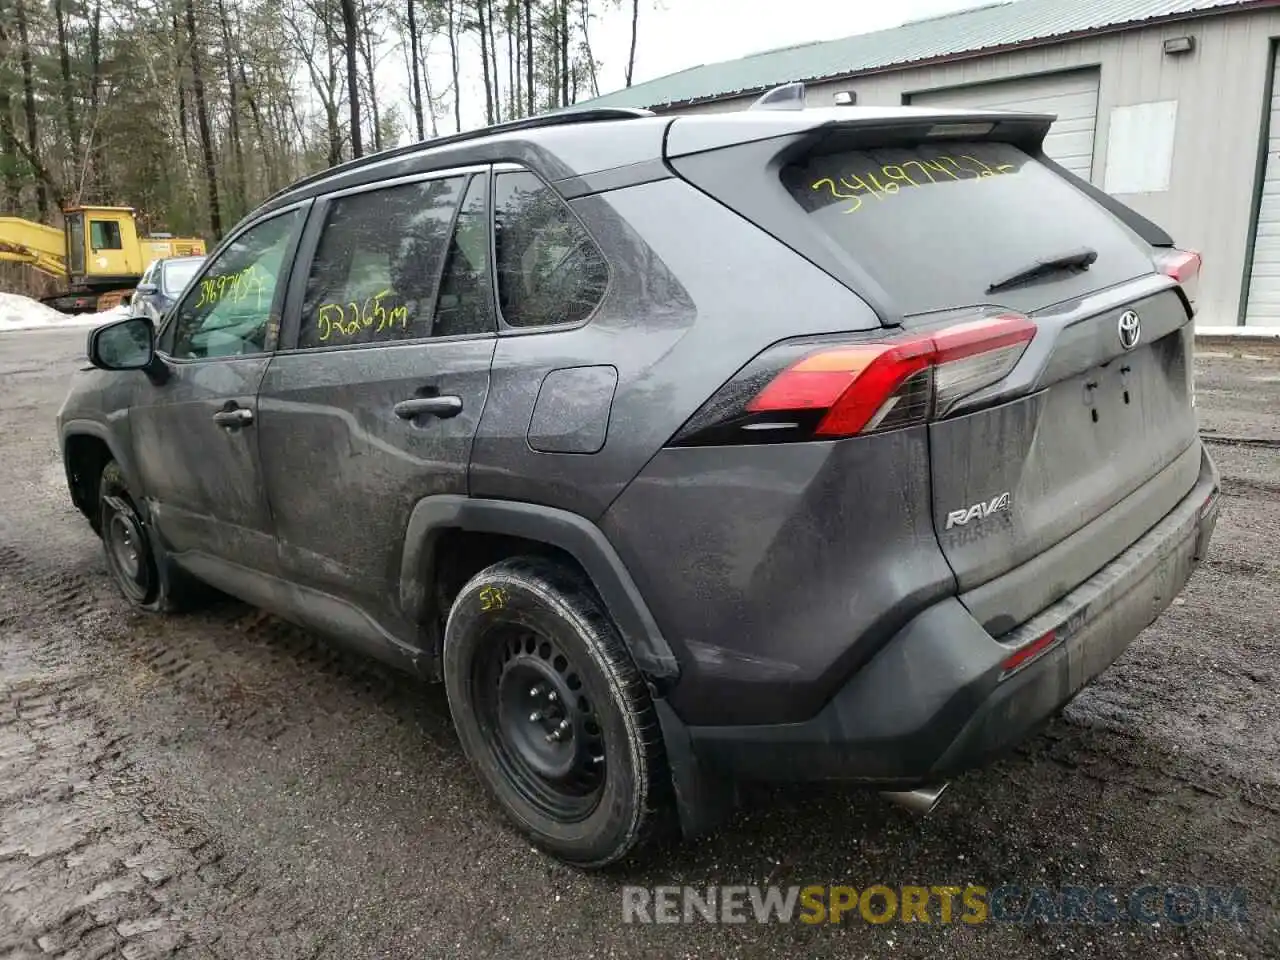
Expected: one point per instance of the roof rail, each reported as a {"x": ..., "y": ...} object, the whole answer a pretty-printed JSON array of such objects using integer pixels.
[
  {"x": 586, "y": 115},
  {"x": 789, "y": 96}
]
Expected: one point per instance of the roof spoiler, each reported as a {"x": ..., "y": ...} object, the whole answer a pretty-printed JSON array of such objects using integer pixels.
[{"x": 789, "y": 96}]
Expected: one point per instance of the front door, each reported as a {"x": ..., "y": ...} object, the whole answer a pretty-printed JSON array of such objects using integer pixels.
[
  {"x": 391, "y": 333},
  {"x": 107, "y": 254},
  {"x": 195, "y": 433}
]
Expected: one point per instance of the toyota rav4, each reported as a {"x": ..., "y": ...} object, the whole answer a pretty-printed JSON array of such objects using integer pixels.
[{"x": 685, "y": 450}]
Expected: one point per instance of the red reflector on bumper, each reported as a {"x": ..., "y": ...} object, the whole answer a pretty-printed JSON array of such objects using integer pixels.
[{"x": 1024, "y": 655}]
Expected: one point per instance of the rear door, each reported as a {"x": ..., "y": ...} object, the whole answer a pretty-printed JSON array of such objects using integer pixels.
[{"x": 374, "y": 399}]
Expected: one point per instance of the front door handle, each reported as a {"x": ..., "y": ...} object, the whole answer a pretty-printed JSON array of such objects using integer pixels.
[
  {"x": 442, "y": 407},
  {"x": 236, "y": 417}
]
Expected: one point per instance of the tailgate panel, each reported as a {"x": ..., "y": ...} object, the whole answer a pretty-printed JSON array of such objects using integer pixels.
[{"x": 1064, "y": 455}]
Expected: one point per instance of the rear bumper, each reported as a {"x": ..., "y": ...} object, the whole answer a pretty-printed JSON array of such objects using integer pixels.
[{"x": 937, "y": 699}]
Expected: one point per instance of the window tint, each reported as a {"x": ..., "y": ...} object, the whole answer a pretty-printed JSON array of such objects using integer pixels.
[
  {"x": 104, "y": 235},
  {"x": 226, "y": 312},
  {"x": 465, "y": 304},
  {"x": 376, "y": 270},
  {"x": 549, "y": 269},
  {"x": 937, "y": 224}
]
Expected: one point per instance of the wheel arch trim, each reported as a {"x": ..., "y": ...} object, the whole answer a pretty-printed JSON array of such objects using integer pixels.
[
  {"x": 575, "y": 535},
  {"x": 99, "y": 431}
]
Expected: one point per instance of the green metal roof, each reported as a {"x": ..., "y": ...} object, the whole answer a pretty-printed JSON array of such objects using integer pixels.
[{"x": 988, "y": 28}]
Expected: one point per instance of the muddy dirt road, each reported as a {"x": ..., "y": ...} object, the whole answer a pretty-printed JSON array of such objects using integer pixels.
[{"x": 225, "y": 785}]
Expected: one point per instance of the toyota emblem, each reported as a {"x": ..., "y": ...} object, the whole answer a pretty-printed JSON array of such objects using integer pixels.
[{"x": 1130, "y": 329}]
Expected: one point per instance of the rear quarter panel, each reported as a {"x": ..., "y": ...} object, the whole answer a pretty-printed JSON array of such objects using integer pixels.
[{"x": 695, "y": 292}]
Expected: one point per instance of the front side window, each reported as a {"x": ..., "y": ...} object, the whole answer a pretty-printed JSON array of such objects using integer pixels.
[
  {"x": 549, "y": 269},
  {"x": 377, "y": 267},
  {"x": 105, "y": 235},
  {"x": 226, "y": 313}
]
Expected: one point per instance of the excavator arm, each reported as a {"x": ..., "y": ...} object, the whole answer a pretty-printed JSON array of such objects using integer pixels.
[{"x": 24, "y": 241}]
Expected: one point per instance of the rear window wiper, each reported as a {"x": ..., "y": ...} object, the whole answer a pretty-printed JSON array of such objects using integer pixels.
[{"x": 1076, "y": 259}]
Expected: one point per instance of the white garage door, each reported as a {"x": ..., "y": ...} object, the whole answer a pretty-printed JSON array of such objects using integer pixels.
[
  {"x": 1263, "y": 307},
  {"x": 1073, "y": 97}
]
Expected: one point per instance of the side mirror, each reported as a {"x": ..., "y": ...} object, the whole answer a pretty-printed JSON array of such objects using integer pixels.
[
  {"x": 127, "y": 344},
  {"x": 145, "y": 289}
]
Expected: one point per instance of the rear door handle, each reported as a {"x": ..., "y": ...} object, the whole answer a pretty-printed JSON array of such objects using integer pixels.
[
  {"x": 236, "y": 417},
  {"x": 442, "y": 407}
]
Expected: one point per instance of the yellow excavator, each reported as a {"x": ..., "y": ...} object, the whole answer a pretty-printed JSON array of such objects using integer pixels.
[{"x": 97, "y": 254}]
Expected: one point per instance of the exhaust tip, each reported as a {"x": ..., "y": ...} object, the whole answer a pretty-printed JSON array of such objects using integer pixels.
[{"x": 919, "y": 801}]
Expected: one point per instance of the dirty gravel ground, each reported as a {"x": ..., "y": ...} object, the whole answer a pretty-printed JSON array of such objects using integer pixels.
[{"x": 225, "y": 785}]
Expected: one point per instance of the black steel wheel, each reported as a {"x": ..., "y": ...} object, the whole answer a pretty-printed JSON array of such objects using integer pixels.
[
  {"x": 146, "y": 580},
  {"x": 125, "y": 541},
  {"x": 552, "y": 712},
  {"x": 530, "y": 701}
]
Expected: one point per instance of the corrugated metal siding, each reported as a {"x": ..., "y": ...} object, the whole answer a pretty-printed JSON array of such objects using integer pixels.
[
  {"x": 1263, "y": 306},
  {"x": 1072, "y": 97},
  {"x": 970, "y": 31},
  {"x": 1220, "y": 90}
]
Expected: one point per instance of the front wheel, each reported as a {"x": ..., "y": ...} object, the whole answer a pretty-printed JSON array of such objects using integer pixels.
[
  {"x": 131, "y": 558},
  {"x": 552, "y": 712}
]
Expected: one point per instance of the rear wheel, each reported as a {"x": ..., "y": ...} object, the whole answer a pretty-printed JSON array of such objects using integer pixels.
[
  {"x": 552, "y": 712},
  {"x": 147, "y": 581}
]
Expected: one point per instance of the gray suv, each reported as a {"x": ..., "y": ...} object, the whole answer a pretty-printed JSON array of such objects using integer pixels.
[{"x": 789, "y": 444}]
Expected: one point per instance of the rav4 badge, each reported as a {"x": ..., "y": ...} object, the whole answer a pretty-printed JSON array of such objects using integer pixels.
[{"x": 979, "y": 511}]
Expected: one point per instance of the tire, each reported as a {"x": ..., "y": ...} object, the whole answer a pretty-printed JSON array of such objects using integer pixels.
[
  {"x": 146, "y": 581},
  {"x": 553, "y": 714}
]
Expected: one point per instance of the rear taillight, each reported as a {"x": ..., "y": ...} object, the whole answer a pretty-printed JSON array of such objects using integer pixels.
[
  {"x": 1184, "y": 267},
  {"x": 825, "y": 388}
]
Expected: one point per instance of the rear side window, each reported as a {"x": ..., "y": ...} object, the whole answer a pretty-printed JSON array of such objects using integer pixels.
[
  {"x": 377, "y": 267},
  {"x": 549, "y": 269},
  {"x": 465, "y": 304},
  {"x": 937, "y": 224}
]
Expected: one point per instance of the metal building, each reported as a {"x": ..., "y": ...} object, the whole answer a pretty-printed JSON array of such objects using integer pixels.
[{"x": 1171, "y": 105}]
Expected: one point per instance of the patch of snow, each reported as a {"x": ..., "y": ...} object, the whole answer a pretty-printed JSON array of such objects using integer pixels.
[{"x": 22, "y": 313}]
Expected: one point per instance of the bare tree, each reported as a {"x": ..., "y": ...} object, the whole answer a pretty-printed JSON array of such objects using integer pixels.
[
  {"x": 415, "y": 72},
  {"x": 584, "y": 24},
  {"x": 565, "y": 99},
  {"x": 202, "y": 120},
  {"x": 64, "y": 66},
  {"x": 493, "y": 58},
  {"x": 309, "y": 33},
  {"x": 453, "y": 61},
  {"x": 349, "y": 28},
  {"x": 484, "y": 60},
  {"x": 8, "y": 140},
  {"x": 369, "y": 41},
  {"x": 233, "y": 110},
  {"x": 528, "y": 50},
  {"x": 29, "y": 98},
  {"x": 631, "y": 57},
  {"x": 513, "y": 94}
]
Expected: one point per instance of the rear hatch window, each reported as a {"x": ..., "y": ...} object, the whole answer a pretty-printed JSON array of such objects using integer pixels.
[{"x": 936, "y": 225}]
